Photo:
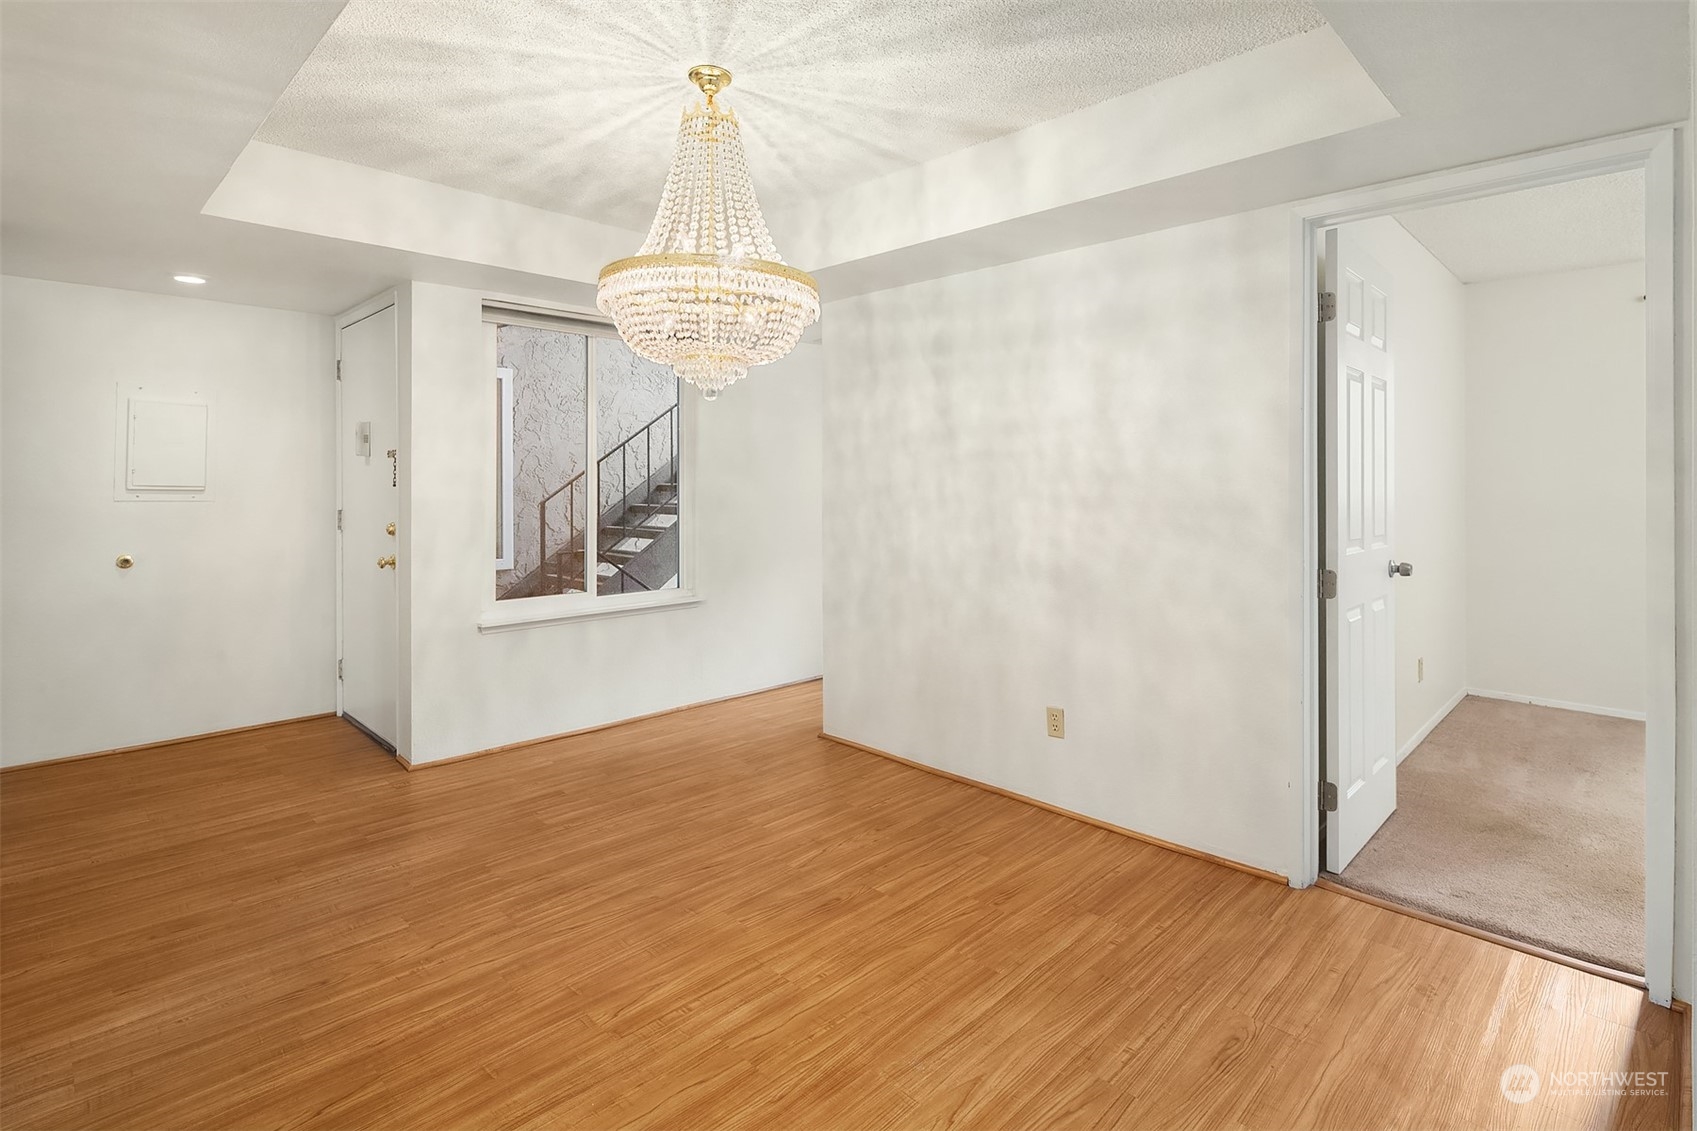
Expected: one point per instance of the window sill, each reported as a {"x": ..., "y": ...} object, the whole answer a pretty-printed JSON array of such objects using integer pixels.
[{"x": 563, "y": 610}]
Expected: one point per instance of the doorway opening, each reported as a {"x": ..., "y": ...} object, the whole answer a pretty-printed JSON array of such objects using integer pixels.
[
  {"x": 1513, "y": 423},
  {"x": 1492, "y": 523}
]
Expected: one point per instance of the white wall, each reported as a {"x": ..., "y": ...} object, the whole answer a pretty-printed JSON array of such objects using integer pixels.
[
  {"x": 1074, "y": 481},
  {"x": 1556, "y": 487},
  {"x": 1429, "y": 342},
  {"x": 758, "y": 559},
  {"x": 228, "y": 617}
]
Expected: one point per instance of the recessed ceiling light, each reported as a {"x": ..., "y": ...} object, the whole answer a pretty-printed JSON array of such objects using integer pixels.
[{"x": 194, "y": 280}]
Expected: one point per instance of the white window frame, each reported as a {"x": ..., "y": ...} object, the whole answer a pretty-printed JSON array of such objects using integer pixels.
[
  {"x": 558, "y": 608},
  {"x": 506, "y": 528}
]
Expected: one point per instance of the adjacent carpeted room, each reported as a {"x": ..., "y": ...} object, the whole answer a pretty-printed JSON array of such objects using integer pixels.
[{"x": 1525, "y": 821}]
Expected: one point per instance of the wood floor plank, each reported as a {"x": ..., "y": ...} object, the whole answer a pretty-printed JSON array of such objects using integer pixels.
[{"x": 716, "y": 919}]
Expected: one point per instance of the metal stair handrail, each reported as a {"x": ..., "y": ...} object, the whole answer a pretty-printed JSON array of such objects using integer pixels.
[
  {"x": 623, "y": 451},
  {"x": 571, "y": 516}
]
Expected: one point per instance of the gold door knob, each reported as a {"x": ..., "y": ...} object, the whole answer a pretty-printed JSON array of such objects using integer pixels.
[
  {"x": 386, "y": 563},
  {"x": 389, "y": 530}
]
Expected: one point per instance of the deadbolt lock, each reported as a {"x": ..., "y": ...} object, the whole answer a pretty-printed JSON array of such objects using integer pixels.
[
  {"x": 389, "y": 530},
  {"x": 386, "y": 563}
]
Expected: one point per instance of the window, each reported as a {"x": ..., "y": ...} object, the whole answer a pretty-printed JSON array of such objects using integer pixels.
[{"x": 588, "y": 479}]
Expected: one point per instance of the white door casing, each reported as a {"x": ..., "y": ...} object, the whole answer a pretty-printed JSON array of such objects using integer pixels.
[
  {"x": 1672, "y": 515},
  {"x": 370, "y": 506},
  {"x": 1359, "y": 382}
]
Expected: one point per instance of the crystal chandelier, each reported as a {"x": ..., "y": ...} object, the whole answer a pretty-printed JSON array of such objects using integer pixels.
[{"x": 708, "y": 293}]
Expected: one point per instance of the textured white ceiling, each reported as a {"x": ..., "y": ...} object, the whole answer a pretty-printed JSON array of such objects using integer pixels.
[
  {"x": 1563, "y": 227},
  {"x": 574, "y": 106},
  {"x": 118, "y": 119}
]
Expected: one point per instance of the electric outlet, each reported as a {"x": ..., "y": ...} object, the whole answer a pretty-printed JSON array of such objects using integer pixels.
[
  {"x": 1420, "y": 670},
  {"x": 1057, "y": 722}
]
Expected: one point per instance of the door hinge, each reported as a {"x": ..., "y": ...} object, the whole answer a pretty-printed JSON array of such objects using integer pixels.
[
  {"x": 1328, "y": 584},
  {"x": 1328, "y": 797},
  {"x": 338, "y": 369},
  {"x": 338, "y": 518},
  {"x": 338, "y": 669},
  {"x": 1328, "y": 306}
]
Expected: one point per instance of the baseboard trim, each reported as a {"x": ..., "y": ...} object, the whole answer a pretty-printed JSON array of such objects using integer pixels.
[
  {"x": 522, "y": 744},
  {"x": 1685, "y": 1063},
  {"x": 1431, "y": 724},
  {"x": 164, "y": 742},
  {"x": 1558, "y": 704},
  {"x": 388, "y": 747},
  {"x": 1634, "y": 980},
  {"x": 1157, "y": 842}
]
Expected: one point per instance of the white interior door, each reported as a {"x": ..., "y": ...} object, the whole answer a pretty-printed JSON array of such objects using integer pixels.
[
  {"x": 1359, "y": 386},
  {"x": 369, "y": 444}
]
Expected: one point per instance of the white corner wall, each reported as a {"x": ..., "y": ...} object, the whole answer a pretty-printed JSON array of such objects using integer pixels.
[
  {"x": 228, "y": 617},
  {"x": 1429, "y": 340},
  {"x": 1556, "y": 487},
  {"x": 758, "y": 558},
  {"x": 1073, "y": 481}
]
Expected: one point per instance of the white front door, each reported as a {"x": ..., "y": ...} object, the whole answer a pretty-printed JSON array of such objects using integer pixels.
[
  {"x": 368, "y": 445},
  {"x": 1359, "y": 383}
]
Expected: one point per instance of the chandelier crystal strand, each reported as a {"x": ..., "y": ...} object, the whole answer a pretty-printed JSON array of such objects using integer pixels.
[{"x": 708, "y": 293}]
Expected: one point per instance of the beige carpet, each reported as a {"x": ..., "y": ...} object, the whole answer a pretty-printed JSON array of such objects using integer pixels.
[{"x": 1526, "y": 821}]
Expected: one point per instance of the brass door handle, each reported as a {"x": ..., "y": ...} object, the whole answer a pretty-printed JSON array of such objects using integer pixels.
[
  {"x": 386, "y": 563},
  {"x": 389, "y": 530}
]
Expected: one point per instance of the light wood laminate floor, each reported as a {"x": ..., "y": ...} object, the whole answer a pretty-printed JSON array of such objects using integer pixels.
[{"x": 717, "y": 919}]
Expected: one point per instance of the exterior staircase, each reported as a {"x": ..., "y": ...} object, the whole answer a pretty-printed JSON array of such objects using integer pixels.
[
  {"x": 639, "y": 538},
  {"x": 633, "y": 540},
  {"x": 636, "y": 534}
]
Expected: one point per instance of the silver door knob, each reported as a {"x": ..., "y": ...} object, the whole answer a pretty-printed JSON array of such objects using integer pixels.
[{"x": 1402, "y": 569}]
